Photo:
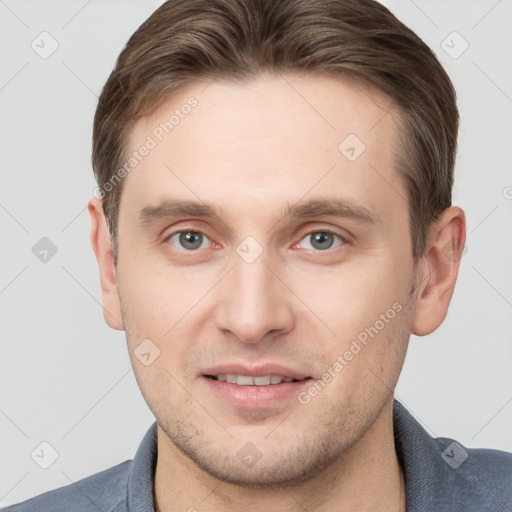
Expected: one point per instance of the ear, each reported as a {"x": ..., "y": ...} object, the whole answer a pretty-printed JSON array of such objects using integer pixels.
[
  {"x": 102, "y": 247},
  {"x": 438, "y": 270}
]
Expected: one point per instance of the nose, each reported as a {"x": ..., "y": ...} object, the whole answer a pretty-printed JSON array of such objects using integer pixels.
[{"x": 255, "y": 302}]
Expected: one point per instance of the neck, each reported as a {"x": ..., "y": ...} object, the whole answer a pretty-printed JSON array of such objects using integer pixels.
[{"x": 367, "y": 477}]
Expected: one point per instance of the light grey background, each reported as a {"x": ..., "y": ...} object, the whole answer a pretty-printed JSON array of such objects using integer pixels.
[{"x": 66, "y": 377}]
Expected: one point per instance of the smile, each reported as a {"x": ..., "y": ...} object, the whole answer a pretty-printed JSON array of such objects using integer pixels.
[{"x": 249, "y": 380}]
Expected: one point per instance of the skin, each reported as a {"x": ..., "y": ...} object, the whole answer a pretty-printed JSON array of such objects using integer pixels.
[{"x": 249, "y": 151}]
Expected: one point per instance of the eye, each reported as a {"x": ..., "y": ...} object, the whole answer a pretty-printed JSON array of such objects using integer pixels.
[
  {"x": 189, "y": 240},
  {"x": 321, "y": 240}
]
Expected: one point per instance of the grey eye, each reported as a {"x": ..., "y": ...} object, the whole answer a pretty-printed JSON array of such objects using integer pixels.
[
  {"x": 189, "y": 240},
  {"x": 320, "y": 240}
]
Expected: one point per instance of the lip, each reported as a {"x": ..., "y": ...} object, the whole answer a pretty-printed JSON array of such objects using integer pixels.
[
  {"x": 254, "y": 397},
  {"x": 255, "y": 371}
]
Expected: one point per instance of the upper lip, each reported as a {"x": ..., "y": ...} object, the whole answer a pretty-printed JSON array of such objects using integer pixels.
[{"x": 255, "y": 371}]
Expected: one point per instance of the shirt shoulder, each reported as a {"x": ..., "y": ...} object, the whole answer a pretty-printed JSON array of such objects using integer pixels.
[
  {"x": 442, "y": 475},
  {"x": 481, "y": 478},
  {"x": 106, "y": 491},
  {"x": 127, "y": 486}
]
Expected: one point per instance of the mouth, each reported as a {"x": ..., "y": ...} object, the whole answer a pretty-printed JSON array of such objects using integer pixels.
[
  {"x": 265, "y": 391},
  {"x": 254, "y": 380}
]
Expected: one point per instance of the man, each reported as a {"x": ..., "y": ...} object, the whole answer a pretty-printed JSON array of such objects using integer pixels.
[{"x": 274, "y": 222}]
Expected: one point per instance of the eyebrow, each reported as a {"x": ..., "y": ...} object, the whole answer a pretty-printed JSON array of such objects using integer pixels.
[
  {"x": 342, "y": 208},
  {"x": 169, "y": 208},
  {"x": 335, "y": 207}
]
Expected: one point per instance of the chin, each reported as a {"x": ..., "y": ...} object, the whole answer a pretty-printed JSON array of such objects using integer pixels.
[{"x": 244, "y": 464}]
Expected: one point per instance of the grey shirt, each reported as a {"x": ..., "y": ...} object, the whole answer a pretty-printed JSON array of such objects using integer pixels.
[{"x": 440, "y": 475}]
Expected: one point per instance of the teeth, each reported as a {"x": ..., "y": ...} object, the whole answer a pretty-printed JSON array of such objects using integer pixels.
[
  {"x": 247, "y": 380},
  {"x": 262, "y": 381},
  {"x": 243, "y": 380}
]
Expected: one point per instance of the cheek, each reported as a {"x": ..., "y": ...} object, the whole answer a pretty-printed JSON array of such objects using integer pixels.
[
  {"x": 159, "y": 385},
  {"x": 161, "y": 306},
  {"x": 156, "y": 296},
  {"x": 365, "y": 307},
  {"x": 351, "y": 296}
]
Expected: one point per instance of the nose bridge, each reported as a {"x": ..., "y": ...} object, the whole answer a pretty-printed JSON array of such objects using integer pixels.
[{"x": 254, "y": 300}]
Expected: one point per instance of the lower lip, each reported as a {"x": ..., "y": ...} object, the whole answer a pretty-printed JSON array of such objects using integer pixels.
[{"x": 255, "y": 397}]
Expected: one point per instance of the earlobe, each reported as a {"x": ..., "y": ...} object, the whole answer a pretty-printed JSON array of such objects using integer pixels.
[
  {"x": 439, "y": 270},
  {"x": 102, "y": 247}
]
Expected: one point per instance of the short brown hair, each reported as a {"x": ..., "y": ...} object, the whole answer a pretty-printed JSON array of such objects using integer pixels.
[{"x": 189, "y": 40}]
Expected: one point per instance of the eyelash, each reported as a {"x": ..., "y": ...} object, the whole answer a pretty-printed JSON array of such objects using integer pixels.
[{"x": 309, "y": 233}]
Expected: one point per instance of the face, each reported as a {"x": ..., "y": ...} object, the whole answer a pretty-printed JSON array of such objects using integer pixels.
[{"x": 266, "y": 236}]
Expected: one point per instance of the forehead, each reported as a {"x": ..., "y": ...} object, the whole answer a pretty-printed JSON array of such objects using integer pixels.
[{"x": 275, "y": 140}]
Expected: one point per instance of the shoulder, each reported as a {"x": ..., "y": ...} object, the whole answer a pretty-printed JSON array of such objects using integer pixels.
[
  {"x": 128, "y": 485},
  {"x": 443, "y": 475},
  {"x": 106, "y": 491},
  {"x": 477, "y": 473}
]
